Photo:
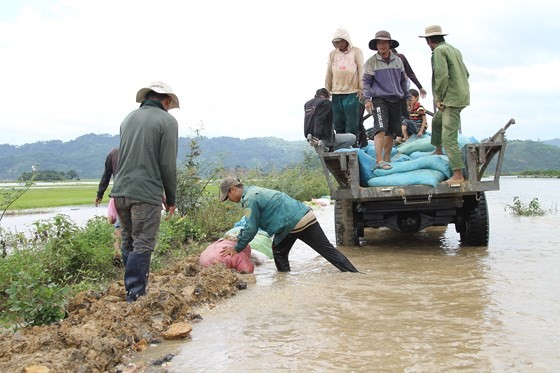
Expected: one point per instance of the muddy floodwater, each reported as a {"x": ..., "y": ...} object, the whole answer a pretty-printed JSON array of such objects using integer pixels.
[{"x": 422, "y": 303}]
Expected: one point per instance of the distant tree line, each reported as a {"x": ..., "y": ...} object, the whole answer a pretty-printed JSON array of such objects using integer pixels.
[
  {"x": 86, "y": 155},
  {"x": 50, "y": 175}
]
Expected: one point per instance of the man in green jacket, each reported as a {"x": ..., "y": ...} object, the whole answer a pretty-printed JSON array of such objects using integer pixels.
[
  {"x": 282, "y": 216},
  {"x": 450, "y": 87},
  {"x": 146, "y": 177}
]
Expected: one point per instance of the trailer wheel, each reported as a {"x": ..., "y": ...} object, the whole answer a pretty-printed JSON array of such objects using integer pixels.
[
  {"x": 477, "y": 227},
  {"x": 345, "y": 229}
]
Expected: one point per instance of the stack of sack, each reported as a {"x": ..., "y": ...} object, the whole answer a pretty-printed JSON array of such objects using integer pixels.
[{"x": 412, "y": 163}]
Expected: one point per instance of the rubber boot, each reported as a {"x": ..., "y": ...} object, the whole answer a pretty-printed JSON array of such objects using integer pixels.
[
  {"x": 136, "y": 275},
  {"x": 282, "y": 263},
  {"x": 124, "y": 257}
]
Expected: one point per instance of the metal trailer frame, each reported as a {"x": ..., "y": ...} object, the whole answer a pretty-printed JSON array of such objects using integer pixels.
[{"x": 415, "y": 207}]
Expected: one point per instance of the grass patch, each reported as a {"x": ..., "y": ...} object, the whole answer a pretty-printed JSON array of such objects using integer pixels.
[
  {"x": 539, "y": 173},
  {"x": 43, "y": 197}
]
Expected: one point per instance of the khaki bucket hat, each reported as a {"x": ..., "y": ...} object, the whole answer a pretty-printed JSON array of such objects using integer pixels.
[
  {"x": 434, "y": 30},
  {"x": 159, "y": 87}
]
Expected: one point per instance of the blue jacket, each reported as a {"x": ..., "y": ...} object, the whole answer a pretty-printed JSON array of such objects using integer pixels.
[
  {"x": 384, "y": 80},
  {"x": 274, "y": 212}
]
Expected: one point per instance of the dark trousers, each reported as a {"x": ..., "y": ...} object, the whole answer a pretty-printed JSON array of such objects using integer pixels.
[
  {"x": 316, "y": 239},
  {"x": 139, "y": 224}
]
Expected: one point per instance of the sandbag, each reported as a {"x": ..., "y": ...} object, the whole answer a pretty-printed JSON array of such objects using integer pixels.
[
  {"x": 366, "y": 164},
  {"x": 431, "y": 162},
  {"x": 464, "y": 140},
  {"x": 261, "y": 242},
  {"x": 423, "y": 144},
  {"x": 416, "y": 155},
  {"x": 416, "y": 144},
  {"x": 258, "y": 258},
  {"x": 241, "y": 262},
  {"x": 416, "y": 177},
  {"x": 400, "y": 158},
  {"x": 370, "y": 150}
]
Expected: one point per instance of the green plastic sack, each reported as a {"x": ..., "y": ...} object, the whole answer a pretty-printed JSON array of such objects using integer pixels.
[{"x": 261, "y": 242}]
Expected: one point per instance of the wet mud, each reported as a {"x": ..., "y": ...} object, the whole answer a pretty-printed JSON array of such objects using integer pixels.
[{"x": 102, "y": 332}]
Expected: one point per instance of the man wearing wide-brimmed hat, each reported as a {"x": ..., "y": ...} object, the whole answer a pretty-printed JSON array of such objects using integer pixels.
[
  {"x": 385, "y": 86},
  {"x": 147, "y": 170},
  {"x": 450, "y": 87}
]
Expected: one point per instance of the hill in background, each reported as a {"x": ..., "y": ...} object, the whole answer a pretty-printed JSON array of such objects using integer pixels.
[
  {"x": 86, "y": 154},
  {"x": 555, "y": 142}
]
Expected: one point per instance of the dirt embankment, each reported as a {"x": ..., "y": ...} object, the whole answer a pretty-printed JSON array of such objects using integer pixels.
[{"x": 101, "y": 328}]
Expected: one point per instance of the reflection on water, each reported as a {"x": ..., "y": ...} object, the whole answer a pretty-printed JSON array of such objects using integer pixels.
[{"x": 422, "y": 303}]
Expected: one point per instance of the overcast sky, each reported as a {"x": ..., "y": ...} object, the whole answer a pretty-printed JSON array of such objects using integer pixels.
[{"x": 245, "y": 68}]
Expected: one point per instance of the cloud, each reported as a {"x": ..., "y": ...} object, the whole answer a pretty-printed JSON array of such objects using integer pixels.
[{"x": 245, "y": 68}]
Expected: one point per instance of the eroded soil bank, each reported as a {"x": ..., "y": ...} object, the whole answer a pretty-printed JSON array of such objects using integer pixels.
[{"x": 102, "y": 330}]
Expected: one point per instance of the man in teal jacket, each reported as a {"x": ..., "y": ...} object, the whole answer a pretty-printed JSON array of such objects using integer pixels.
[
  {"x": 147, "y": 171},
  {"x": 450, "y": 86},
  {"x": 282, "y": 216}
]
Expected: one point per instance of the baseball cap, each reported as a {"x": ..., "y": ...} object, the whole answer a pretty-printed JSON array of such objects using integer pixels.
[{"x": 226, "y": 185}]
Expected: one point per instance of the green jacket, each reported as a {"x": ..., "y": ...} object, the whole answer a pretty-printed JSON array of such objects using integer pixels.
[
  {"x": 450, "y": 76},
  {"x": 274, "y": 212},
  {"x": 148, "y": 155}
]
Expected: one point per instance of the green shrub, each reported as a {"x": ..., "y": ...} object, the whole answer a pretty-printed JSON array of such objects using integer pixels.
[
  {"x": 298, "y": 183},
  {"x": 35, "y": 300},
  {"x": 19, "y": 261},
  {"x": 177, "y": 231},
  {"x": 197, "y": 200},
  {"x": 218, "y": 217},
  {"x": 303, "y": 181},
  {"x": 72, "y": 254},
  {"x": 532, "y": 208},
  {"x": 57, "y": 257}
]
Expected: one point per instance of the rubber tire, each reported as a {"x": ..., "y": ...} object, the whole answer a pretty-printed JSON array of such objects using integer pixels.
[
  {"x": 477, "y": 226},
  {"x": 345, "y": 229}
]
